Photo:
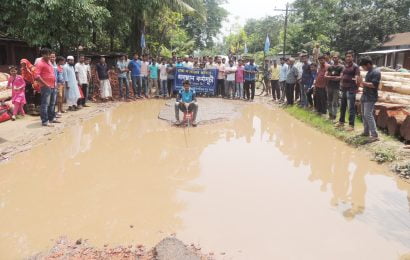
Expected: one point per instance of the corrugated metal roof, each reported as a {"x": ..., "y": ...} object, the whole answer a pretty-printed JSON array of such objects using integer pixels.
[{"x": 398, "y": 39}]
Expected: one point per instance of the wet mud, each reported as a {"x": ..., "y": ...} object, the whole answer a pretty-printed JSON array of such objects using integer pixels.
[{"x": 262, "y": 186}]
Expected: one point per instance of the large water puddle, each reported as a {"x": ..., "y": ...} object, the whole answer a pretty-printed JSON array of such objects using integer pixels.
[{"x": 264, "y": 186}]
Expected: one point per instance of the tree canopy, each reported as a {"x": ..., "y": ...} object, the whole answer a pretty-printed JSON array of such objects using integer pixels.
[
  {"x": 338, "y": 25},
  {"x": 114, "y": 25}
]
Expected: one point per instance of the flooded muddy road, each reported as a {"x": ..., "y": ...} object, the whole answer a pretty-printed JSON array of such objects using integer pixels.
[{"x": 263, "y": 186}]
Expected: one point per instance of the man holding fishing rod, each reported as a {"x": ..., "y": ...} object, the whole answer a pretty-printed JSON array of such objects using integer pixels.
[{"x": 186, "y": 102}]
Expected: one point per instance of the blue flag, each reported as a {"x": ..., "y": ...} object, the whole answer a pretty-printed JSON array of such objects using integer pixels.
[
  {"x": 267, "y": 44},
  {"x": 143, "y": 41}
]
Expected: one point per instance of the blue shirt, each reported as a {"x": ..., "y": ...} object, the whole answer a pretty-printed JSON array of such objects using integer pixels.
[
  {"x": 55, "y": 72},
  {"x": 186, "y": 96},
  {"x": 135, "y": 67},
  {"x": 179, "y": 65},
  {"x": 60, "y": 77},
  {"x": 283, "y": 72},
  {"x": 250, "y": 76},
  {"x": 153, "y": 71},
  {"x": 306, "y": 74},
  {"x": 122, "y": 65},
  {"x": 312, "y": 78},
  {"x": 371, "y": 94}
]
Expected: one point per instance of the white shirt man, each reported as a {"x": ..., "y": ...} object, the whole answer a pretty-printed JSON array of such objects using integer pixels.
[
  {"x": 209, "y": 66},
  {"x": 230, "y": 72},
  {"x": 144, "y": 68},
  {"x": 163, "y": 75},
  {"x": 83, "y": 71}
]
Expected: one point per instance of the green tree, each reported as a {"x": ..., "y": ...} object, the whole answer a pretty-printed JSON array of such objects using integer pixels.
[
  {"x": 257, "y": 29},
  {"x": 235, "y": 42},
  {"x": 342, "y": 25},
  {"x": 203, "y": 30},
  {"x": 59, "y": 24},
  {"x": 141, "y": 11}
]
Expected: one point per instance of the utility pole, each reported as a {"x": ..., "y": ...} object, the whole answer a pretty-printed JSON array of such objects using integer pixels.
[{"x": 287, "y": 10}]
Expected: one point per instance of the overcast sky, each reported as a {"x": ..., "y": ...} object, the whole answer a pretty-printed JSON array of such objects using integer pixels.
[{"x": 241, "y": 10}]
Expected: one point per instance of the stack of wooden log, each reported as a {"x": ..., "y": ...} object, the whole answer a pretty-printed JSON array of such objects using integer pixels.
[
  {"x": 115, "y": 87},
  {"x": 392, "y": 112},
  {"x": 5, "y": 93}
]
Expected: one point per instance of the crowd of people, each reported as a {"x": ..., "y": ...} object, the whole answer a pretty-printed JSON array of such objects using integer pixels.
[
  {"x": 324, "y": 82},
  {"x": 319, "y": 81}
]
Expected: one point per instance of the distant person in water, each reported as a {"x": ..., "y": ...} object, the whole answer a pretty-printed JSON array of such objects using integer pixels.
[{"x": 186, "y": 98}]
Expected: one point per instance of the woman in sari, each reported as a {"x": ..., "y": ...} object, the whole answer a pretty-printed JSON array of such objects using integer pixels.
[{"x": 32, "y": 91}]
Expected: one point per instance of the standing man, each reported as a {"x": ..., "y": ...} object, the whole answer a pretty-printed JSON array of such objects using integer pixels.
[
  {"x": 145, "y": 75},
  {"x": 239, "y": 79},
  {"x": 45, "y": 76},
  {"x": 299, "y": 65},
  {"x": 266, "y": 77},
  {"x": 210, "y": 65},
  {"x": 250, "y": 77},
  {"x": 153, "y": 78},
  {"x": 103, "y": 78},
  {"x": 309, "y": 83},
  {"x": 171, "y": 76},
  {"x": 274, "y": 79},
  {"x": 91, "y": 89},
  {"x": 282, "y": 78},
  {"x": 163, "y": 77},
  {"x": 53, "y": 96},
  {"x": 135, "y": 67},
  {"x": 306, "y": 81},
  {"x": 122, "y": 67},
  {"x": 333, "y": 86},
  {"x": 291, "y": 79},
  {"x": 350, "y": 79},
  {"x": 230, "y": 80},
  {"x": 83, "y": 75},
  {"x": 369, "y": 98},
  {"x": 320, "y": 86},
  {"x": 71, "y": 84},
  {"x": 221, "y": 78},
  {"x": 179, "y": 63},
  {"x": 328, "y": 58}
]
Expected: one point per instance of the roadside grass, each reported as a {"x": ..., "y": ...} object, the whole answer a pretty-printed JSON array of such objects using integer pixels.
[{"x": 385, "y": 150}]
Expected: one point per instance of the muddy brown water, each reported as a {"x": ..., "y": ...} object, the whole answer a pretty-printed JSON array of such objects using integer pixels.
[{"x": 263, "y": 186}]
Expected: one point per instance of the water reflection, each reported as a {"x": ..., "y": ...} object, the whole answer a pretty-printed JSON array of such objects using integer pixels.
[
  {"x": 340, "y": 170},
  {"x": 122, "y": 168},
  {"x": 125, "y": 168}
]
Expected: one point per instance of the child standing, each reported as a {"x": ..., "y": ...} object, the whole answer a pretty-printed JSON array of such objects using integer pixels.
[
  {"x": 60, "y": 85},
  {"x": 18, "y": 97}
]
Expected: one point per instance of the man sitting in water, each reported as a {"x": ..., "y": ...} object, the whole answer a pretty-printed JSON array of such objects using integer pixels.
[{"x": 186, "y": 98}]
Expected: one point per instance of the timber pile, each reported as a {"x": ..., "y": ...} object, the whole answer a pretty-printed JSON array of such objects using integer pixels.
[
  {"x": 4, "y": 92},
  {"x": 115, "y": 86},
  {"x": 392, "y": 112}
]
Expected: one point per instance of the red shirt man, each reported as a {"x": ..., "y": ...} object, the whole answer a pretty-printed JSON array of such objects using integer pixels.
[
  {"x": 320, "y": 78},
  {"x": 45, "y": 73}
]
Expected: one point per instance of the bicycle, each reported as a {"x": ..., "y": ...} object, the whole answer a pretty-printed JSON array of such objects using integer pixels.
[{"x": 260, "y": 82}]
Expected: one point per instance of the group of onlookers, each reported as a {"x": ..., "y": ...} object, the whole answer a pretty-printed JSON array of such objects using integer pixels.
[
  {"x": 49, "y": 83},
  {"x": 235, "y": 79},
  {"x": 321, "y": 81},
  {"x": 325, "y": 83}
]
